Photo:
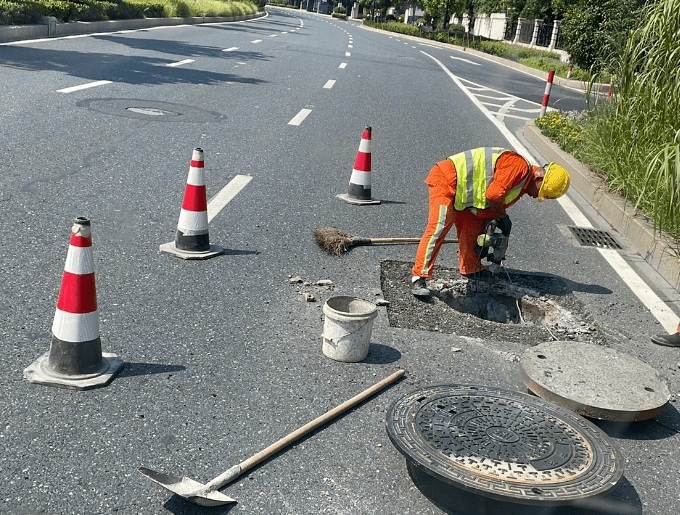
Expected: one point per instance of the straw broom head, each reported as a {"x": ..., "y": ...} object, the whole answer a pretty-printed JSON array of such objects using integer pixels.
[{"x": 333, "y": 240}]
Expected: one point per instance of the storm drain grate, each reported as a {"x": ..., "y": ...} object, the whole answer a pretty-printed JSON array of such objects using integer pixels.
[{"x": 594, "y": 238}]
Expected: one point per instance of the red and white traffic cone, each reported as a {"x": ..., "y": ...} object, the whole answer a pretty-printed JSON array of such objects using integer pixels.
[
  {"x": 192, "y": 240},
  {"x": 75, "y": 359},
  {"x": 359, "y": 191}
]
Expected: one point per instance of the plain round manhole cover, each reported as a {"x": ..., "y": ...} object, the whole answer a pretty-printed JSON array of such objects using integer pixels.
[
  {"x": 594, "y": 381},
  {"x": 151, "y": 111},
  {"x": 503, "y": 445}
]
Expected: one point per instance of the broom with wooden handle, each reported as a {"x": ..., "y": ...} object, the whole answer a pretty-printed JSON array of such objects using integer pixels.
[{"x": 336, "y": 241}]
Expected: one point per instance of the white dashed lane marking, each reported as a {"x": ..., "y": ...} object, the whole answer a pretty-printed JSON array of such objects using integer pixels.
[
  {"x": 84, "y": 86},
  {"x": 300, "y": 117},
  {"x": 180, "y": 63}
]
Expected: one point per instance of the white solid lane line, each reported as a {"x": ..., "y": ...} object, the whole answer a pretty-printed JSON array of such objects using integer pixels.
[
  {"x": 300, "y": 117},
  {"x": 180, "y": 63},
  {"x": 465, "y": 60},
  {"x": 84, "y": 86},
  {"x": 329, "y": 84},
  {"x": 655, "y": 305},
  {"x": 225, "y": 195}
]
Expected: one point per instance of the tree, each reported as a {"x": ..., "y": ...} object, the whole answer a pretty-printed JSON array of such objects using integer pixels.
[{"x": 593, "y": 33}]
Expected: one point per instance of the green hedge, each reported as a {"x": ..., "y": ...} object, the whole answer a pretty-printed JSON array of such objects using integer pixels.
[{"x": 23, "y": 12}]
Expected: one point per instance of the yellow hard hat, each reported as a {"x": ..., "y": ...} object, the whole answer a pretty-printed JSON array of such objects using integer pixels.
[{"x": 555, "y": 182}]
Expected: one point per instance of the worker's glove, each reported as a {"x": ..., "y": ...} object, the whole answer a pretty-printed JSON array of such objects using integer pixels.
[{"x": 505, "y": 225}]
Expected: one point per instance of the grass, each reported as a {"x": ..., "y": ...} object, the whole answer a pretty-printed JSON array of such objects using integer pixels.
[
  {"x": 632, "y": 140},
  {"x": 635, "y": 137},
  {"x": 21, "y": 12}
]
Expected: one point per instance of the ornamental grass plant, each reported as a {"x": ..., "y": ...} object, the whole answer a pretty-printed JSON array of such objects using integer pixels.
[{"x": 634, "y": 138}]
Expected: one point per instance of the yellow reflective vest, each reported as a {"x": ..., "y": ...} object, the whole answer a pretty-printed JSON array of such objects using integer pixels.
[{"x": 474, "y": 172}]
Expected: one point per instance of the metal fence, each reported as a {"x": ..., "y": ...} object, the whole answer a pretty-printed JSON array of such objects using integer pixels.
[
  {"x": 543, "y": 38},
  {"x": 526, "y": 33}
]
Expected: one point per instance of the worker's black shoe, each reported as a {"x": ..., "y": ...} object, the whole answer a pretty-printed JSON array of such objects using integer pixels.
[
  {"x": 419, "y": 288},
  {"x": 669, "y": 340},
  {"x": 483, "y": 275}
]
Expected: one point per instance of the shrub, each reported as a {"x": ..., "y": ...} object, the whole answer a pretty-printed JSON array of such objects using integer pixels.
[
  {"x": 561, "y": 69},
  {"x": 565, "y": 132},
  {"x": 30, "y": 12}
]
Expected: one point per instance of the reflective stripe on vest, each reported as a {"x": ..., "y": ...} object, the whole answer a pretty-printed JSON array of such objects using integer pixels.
[{"x": 480, "y": 165}]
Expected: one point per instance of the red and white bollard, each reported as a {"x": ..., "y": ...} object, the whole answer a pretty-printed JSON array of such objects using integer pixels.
[
  {"x": 571, "y": 66},
  {"x": 546, "y": 96}
]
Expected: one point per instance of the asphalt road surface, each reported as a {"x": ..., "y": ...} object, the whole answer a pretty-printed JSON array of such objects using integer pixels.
[{"x": 223, "y": 357}]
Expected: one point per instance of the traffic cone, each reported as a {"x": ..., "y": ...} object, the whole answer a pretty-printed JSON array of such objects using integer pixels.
[
  {"x": 359, "y": 191},
  {"x": 192, "y": 240},
  {"x": 75, "y": 359}
]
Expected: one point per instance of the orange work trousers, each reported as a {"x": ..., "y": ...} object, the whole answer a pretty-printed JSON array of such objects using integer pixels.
[{"x": 442, "y": 216}]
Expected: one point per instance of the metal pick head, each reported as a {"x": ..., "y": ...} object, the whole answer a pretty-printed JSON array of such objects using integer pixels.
[{"x": 187, "y": 488}]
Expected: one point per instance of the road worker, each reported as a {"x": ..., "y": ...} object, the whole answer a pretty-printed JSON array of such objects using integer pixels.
[
  {"x": 669, "y": 340},
  {"x": 492, "y": 179}
]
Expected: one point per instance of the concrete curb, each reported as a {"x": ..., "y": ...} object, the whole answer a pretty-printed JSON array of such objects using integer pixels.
[
  {"x": 50, "y": 27},
  {"x": 654, "y": 246}
]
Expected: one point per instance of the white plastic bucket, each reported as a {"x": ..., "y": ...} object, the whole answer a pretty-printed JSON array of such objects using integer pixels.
[{"x": 347, "y": 328}]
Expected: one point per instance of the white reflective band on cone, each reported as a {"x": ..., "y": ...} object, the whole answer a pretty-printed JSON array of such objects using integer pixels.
[
  {"x": 359, "y": 177},
  {"x": 196, "y": 176},
  {"x": 365, "y": 146},
  {"x": 192, "y": 222},
  {"x": 76, "y": 327},
  {"x": 79, "y": 260}
]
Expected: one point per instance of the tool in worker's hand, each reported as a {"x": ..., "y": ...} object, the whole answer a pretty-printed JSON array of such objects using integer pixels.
[
  {"x": 492, "y": 245},
  {"x": 336, "y": 241},
  {"x": 208, "y": 494}
]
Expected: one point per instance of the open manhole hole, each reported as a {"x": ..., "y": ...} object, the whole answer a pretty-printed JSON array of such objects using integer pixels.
[
  {"x": 519, "y": 307},
  {"x": 588, "y": 237},
  {"x": 469, "y": 447}
]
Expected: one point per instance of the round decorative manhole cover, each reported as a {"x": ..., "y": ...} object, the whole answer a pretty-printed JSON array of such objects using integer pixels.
[{"x": 504, "y": 445}]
